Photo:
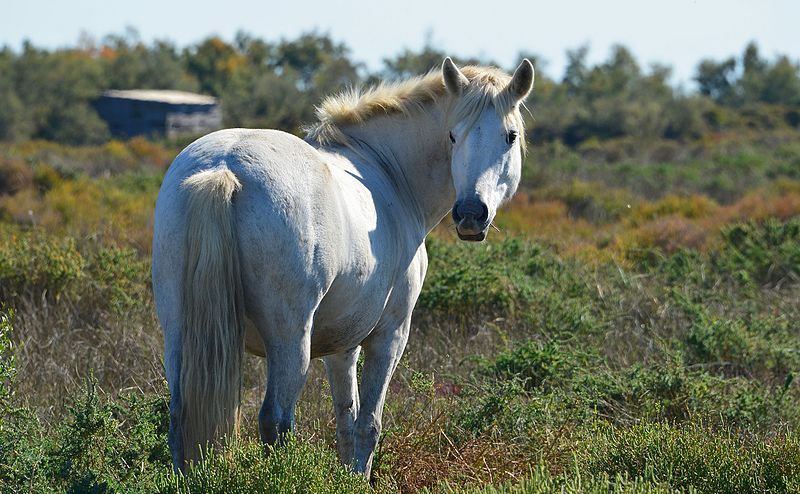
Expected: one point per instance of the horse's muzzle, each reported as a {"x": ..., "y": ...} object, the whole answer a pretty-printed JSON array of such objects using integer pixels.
[{"x": 472, "y": 220}]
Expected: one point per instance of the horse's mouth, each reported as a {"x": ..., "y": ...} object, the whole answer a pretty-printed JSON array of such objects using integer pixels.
[{"x": 477, "y": 237}]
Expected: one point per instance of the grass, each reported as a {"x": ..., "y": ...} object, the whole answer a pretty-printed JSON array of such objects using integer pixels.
[{"x": 588, "y": 347}]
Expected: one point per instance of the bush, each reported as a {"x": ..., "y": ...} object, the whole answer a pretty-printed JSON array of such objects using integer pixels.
[
  {"x": 694, "y": 457},
  {"x": 465, "y": 281},
  {"x": 534, "y": 363},
  {"x": 20, "y": 429},
  {"x": 591, "y": 201},
  {"x": 8, "y": 369},
  {"x": 35, "y": 265},
  {"x": 295, "y": 467},
  {"x": 120, "y": 445},
  {"x": 765, "y": 253},
  {"x": 15, "y": 175},
  {"x": 31, "y": 264},
  {"x": 109, "y": 446},
  {"x": 574, "y": 481}
]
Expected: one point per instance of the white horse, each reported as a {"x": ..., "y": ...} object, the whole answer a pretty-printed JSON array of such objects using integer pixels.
[{"x": 296, "y": 249}]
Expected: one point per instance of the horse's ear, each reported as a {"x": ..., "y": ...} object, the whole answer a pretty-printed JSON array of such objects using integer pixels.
[
  {"x": 522, "y": 81},
  {"x": 454, "y": 80}
]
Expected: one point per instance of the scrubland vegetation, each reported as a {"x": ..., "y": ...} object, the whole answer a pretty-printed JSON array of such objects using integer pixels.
[{"x": 632, "y": 327}]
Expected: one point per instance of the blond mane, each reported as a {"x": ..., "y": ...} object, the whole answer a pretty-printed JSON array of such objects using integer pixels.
[{"x": 486, "y": 86}]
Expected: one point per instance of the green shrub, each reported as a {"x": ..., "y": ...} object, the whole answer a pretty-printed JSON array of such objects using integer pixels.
[
  {"x": 545, "y": 386},
  {"x": 120, "y": 445},
  {"x": 34, "y": 265},
  {"x": 105, "y": 445},
  {"x": 534, "y": 363},
  {"x": 295, "y": 467},
  {"x": 463, "y": 280},
  {"x": 20, "y": 430},
  {"x": 694, "y": 457},
  {"x": 764, "y": 253},
  {"x": 8, "y": 369},
  {"x": 31, "y": 264},
  {"x": 510, "y": 278},
  {"x": 573, "y": 481}
]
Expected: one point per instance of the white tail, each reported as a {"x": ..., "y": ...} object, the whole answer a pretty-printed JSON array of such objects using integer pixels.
[{"x": 213, "y": 314}]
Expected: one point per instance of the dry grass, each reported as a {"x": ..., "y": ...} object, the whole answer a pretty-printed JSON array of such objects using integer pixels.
[
  {"x": 63, "y": 338},
  {"x": 60, "y": 345}
]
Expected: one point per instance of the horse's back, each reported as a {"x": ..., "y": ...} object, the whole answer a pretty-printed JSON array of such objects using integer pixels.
[{"x": 277, "y": 162}]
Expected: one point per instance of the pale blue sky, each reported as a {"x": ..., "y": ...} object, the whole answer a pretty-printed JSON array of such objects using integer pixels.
[{"x": 676, "y": 32}]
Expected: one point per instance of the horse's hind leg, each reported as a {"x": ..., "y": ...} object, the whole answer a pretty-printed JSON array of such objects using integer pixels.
[
  {"x": 166, "y": 291},
  {"x": 287, "y": 344},
  {"x": 175, "y": 434},
  {"x": 342, "y": 377}
]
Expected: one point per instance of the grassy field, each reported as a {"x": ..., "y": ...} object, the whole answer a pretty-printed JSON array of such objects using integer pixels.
[{"x": 633, "y": 327}]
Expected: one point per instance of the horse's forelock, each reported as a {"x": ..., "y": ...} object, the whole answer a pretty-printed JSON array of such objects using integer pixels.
[{"x": 489, "y": 87}]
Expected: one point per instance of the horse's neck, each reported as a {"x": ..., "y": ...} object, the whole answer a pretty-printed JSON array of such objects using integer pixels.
[{"x": 415, "y": 154}]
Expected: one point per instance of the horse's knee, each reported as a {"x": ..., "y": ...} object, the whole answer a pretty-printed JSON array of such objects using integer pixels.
[{"x": 367, "y": 434}]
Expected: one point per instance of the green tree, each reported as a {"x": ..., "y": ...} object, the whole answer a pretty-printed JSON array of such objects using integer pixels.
[
  {"x": 576, "y": 72},
  {"x": 717, "y": 79},
  {"x": 15, "y": 122},
  {"x": 213, "y": 63},
  {"x": 410, "y": 64},
  {"x": 782, "y": 83},
  {"x": 56, "y": 90},
  {"x": 309, "y": 55}
]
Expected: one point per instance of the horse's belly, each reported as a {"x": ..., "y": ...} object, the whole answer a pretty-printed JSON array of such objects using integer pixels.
[
  {"x": 343, "y": 321},
  {"x": 327, "y": 337}
]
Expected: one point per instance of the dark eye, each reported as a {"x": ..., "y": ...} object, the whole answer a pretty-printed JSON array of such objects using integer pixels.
[
  {"x": 511, "y": 136},
  {"x": 452, "y": 139}
]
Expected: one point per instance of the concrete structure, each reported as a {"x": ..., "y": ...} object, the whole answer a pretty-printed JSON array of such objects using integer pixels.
[{"x": 157, "y": 112}]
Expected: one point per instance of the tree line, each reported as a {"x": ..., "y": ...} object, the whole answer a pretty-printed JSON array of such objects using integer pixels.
[{"x": 48, "y": 94}]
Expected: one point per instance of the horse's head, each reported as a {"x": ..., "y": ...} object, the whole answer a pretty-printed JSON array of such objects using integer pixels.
[{"x": 487, "y": 137}]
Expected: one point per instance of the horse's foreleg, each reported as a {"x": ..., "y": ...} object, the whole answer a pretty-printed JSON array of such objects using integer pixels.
[
  {"x": 382, "y": 353},
  {"x": 342, "y": 377},
  {"x": 287, "y": 368}
]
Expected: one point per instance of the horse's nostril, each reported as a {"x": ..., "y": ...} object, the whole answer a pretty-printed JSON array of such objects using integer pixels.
[
  {"x": 470, "y": 210},
  {"x": 484, "y": 213},
  {"x": 456, "y": 217}
]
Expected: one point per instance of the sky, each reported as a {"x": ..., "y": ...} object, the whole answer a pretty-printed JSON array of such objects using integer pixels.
[{"x": 678, "y": 33}]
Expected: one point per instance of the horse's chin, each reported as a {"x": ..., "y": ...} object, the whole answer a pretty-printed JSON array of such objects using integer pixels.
[{"x": 477, "y": 237}]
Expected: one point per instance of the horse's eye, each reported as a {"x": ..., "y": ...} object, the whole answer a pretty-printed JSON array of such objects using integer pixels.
[
  {"x": 452, "y": 139},
  {"x": 511, "y": 136}
]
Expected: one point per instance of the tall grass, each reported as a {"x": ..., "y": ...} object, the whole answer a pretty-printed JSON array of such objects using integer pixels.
[{"x": 590, "y": 346}]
